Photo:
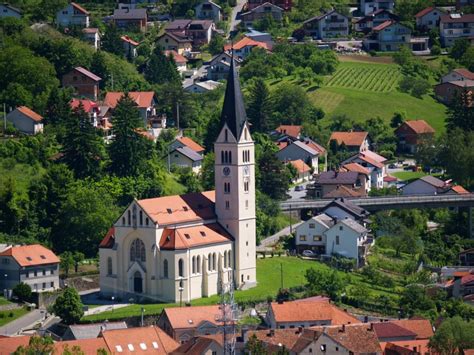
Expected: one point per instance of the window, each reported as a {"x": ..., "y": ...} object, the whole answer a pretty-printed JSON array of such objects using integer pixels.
[
  {"x": 214, "y": 262},
  {"x": 229, "y": 264},
  {"x": 222, "y": 157},
  {"x": 209, "y": 262},
  {"x": 227, "y": 205},
  {"x": 5, "y": 261},
  {"x": 194, "y": 265},
  {"x": 302, "y": 238},
  {"x": 225, "y": 259},
  {"x": 226, "y": 135},
  {"x": 227, "y": 187},
  {"x": 52, "y": 284},
  {"x": 44, "y": 272},
  {"x": 340, "y": 228},
  {"x": 230, "y": 157},
  {"x": 312, "y": 225},
  {"x": 137, "y": 251},
  {"x": 180, "y": 268},
  {"x": 317, "y": 238},
  {"x": 109, "y": 266},
  {"x": 226, "y": 157},
  {"x": 123, "y": 221},
  {"x": 147, "y": 221},
  {"x": 141, "y": 218},
  {"x": 246, "y": 204},
  {"x": 246, "y": 186},
  {"x": 337, "y": 240},
  {"x": 165, "y": 269},
  {"x": 198, "y": 264},
  {"x": 44, "y": 285},
  {"x": 36, "y": 273},
  {"x": 129, "y": 217}
]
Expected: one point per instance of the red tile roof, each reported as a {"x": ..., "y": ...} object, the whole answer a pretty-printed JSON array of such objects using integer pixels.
[
  {"x": 88, "y": 105},
  {"x": 369, "y": 160},
  {"x": 289, "y": 130},
  {"x": 31, "y": 255},
  {"x": 109, "y": 239},
  {"x": 392, "y": 330},
  {"x": 80, "y": 8},
  {"x": 356, "y": 167},
  {"x": 343, "y": 191},
  {"x": 350, "y": 139},
  {"x": 244, "y": 42},
  {"x": 178, "y": 58},
  {"x": 143, "y": 99},
  {"x": 459, "y": 189},
  {"x": 88, "y": 346},
  {"x": 30, "y": 113},
  {"x": 383, "y": 25},
  {"x": 421, "y": 327},
  {"x": 88, "y": 73},
  {"x": 377, "y": 157},
  {"x": 188, "y": 142},
  {"x": 318, "y": 148},
  {"x": 421, "y": 347},
  {"x": 425, "y": 11},
  {"x": 461, "y": 19},
  {"x": 8, "y": 345},
  {"x": 191, "y": 317},
  {"x": 357, "y": 338},
  {"x": 295, "y": 340},
  {"x": 129, "y": 40},
  {"x": 465, "y": 73},
  {"x": 188, "y": 237},
  {"x": 419, "y": 126},
  {"x": 300, "y": 166}
]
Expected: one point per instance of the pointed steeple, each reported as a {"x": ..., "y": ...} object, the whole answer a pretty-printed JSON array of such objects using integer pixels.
[{"x": 233, "y": 111}]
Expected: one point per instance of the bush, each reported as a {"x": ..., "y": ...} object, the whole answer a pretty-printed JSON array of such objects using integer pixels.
[
  {"x": 436, "y": 50},
  {"x": 22, "y": 291},
  {"x": 372, "y": 53}
]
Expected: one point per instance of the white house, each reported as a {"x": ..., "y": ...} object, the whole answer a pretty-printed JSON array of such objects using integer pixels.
[
  {"x": 455, "y": 26},
  {"x": 391, "y": 35},
  {"x": 72, "y": 15},
  {"x": 26, "y": 120},
  {"x": 310, "y": 234},
  {"x": 7, "y": 10},
  {"x": 92, "y": 35},
  {"x": 219, "y": 66},
  {"x": 199, "y": 87},
  {"x": 329, "y": 25},
  {"x": 427, "y": 185},
  {"x": 181, "y": 247},
  {"x": 208, "y": 10},
  {"x": 181, "y": 61},
  {"x": 181, "y": 142},
  {"x": 428, "y": 19},
  {"x": 342, "y": 209},
  {"x": 374, "y": 163},
  {"x": 369, "y": 6},
  {"x": 244, "y": 47},
  {"x": 129, "y": 47},
  {"x": 459, "y": 74},
  {"x": 303, "y": 171},
  {"x": 298, "y": 150},
  {"x": 185, "y": 157},
  {"x": 262, "y": 11}
]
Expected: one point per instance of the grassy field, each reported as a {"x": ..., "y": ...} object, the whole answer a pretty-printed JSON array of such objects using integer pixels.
[
  {"x": 409, "y": 175},
  {"x": 8, "y": 316},
  {"x": 4, "y": 301}
]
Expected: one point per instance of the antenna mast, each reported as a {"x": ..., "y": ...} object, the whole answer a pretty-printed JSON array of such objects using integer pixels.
[{"x": 229, "y": 312}]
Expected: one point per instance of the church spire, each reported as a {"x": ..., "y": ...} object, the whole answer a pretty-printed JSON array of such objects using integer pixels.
[{"x": 233, "y": 111}]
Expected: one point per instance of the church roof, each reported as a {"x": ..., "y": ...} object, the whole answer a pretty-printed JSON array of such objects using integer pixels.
[
  {"x": 233, "y": 111},
  {"x": 188, "y": 237},
  {"x": 172, "y": 210}
]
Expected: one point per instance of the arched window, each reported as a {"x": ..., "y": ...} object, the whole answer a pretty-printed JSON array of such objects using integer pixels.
[
  {"x": 226, "y": 135},
  {"x": 109, "y": 266},
  {"x": 225, "y": 259},
  {"x": 214, "y": 261},
  {"x": 180, "y": 268},
  {"x": 229, "y": 264},
  {"x": 222, "y": 157},
  {"x": 198, "y": 264},
  {"x": 230, "y": 157},
  {"x": 137, "y": 251},
  {"x": 209, "y": 261},
  {"x": 226, "y": 157},
  {"x": 129, "y": 215},
  {"x": 194, "y": 265},
  {"x": 141, "y": 218},
  {"x": 123, "y": 220},
  {"x": 165, "y": 269},
  {"x": 147, "y": 221}
]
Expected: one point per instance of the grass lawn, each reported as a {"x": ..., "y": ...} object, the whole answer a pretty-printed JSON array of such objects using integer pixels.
[
  {"x": 4, "y": 301},
  {"x": 8, "y": 316},
  {"x": 409, "y": 175}
]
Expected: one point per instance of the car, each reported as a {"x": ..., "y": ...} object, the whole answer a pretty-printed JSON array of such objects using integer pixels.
[
  {"x": 392, "y": 166},
  {"x": 299, "y": 188},
  {"x": 307, "y": 253},
  {"x": 437, "y": 171}
]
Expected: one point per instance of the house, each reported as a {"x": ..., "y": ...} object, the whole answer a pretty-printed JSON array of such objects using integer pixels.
[
  {"x": 289, "y": 131},
  {"x": 406, "y": 347},
  {"x": 72, "y": 15},
  {"x": 342, "y": 208},
  {"x": 329, "y": 25},
  {"x": 181, "y": 61},
  {"x": 328, "y": 181},
  {"x": 310, "y": 234},
  {"x": 374, "y": 19},
  {"x": 462, "y": 285},
  {"x": 90, "y": 107},
  {"x": 428, "y": 19},
  {"x": 200, "y": 31},
  {"x": 466, "y": 257},
  {"x": 145, "y": 100},
  {"x": 259, "y": 36},
  {"x": 202, "y": 345},
  {"x": 129, "y": 47},
  {"x": 171, "y": 42},
  {"x": 306, "y": 313},
  {"x": 356, "y": 167},
  {"x": 389, "y": 331},
  {"x": 391, "y": 35},
  {"x": 178, "y": 27},
  {"x": 208, "y": 10},
  {"x": 369, "y": 6},
  {"x": 33, "y": 265},
  {"x": 303, "y": 171},
  {"x": 456, "y": 26},
  {"x": 7, "y": 10},
  {"x": 300, "y": 151},
  {"x": 181, "y": 142},
  {"x": 412, "y": 133},
  {"x": 90, "y": 331},
  {"x": 370, "y": 161},
  {"x": 183, "y": 324},
  {"x": 353, "y": 141},
  {"x": 219, "y": 65},
  {"x": 185, "y": 157},
  {"x": 26, "y": 120},
  {"x": 421, "y": 327},
  {"x": 130, "y": 18},
  {"x": 459, "y": 74},
  {"x": 284, "y": 4},
  {"x": 447, "y": 92},
  {"x": 244, "y": 47},
  {"x": 199, "y": 87},
  {"x": 92, "y": 36},
  {"x": 83, "y": 82},
  {"x": 260, "y": 12},
  {"x": 427, "y": 185}
]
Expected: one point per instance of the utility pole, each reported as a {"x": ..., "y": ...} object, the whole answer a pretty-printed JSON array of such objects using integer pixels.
[
  {"x": 291, "y": 224},
  {"x": 281, "y": 276},
  {"x": 177, "y": 115},
  {"x": 143, "y": 311},
  {"x": 4, "y": 118}
]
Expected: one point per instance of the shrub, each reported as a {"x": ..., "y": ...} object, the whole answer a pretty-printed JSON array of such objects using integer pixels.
[
  {"x": 436, "y": 50},
  {"x": 22, "y": 291}
]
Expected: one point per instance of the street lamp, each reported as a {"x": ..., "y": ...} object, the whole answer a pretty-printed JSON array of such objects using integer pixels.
[
  {"x": 181, "y": 289},
  {"x": 112, "y": 298}
]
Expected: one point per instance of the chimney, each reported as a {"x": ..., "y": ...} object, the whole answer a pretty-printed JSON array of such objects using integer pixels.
[
  {"x": 371, "y": 326},
  {"x": 343, "y": 328},
  {"x": 280, "y": 301},
  {"x": 272, "y": 332},
  {"x": 366, "y": 319},
  {"x": 300, "y": 330}
]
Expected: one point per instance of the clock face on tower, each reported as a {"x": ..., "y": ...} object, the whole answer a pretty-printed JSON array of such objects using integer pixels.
[
  {"x": 246, "y": 171},
  {"x": 226, "y": 171}
]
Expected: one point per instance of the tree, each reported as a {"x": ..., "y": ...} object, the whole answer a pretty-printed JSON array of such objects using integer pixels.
[
  {"x": 341, "y": 123},
  {"x": 22, "y": 291},
  {"x": 427, "y": 152},
  {"x": 83, "y": 149},
  {"x": 78, "y": 258},
  {"x": 459, "y": 47},
  {"x": 160, "y": 68},
  {"x": 320, "y": 281},
  {"x": 377, "y": 128},
  {"x": 190, "y": 180},
  {"x": 67, "y": 261},
  {"x": 99, "y": 68},
  {"x": 68, "y": 306},
  {"x": 255, "y": 346},
  {"x": 216, "y": 45},
  {"x": 397, "y": 119},
  {"x": 461, "y": 112},
  {"x": 468, "y": 59},
  {"x": 273, "y": 177},
  {"x": 414, "y": 300},
  {"x": 207, "y": 172},
  {"x": 129, "y": 150},
  {"x": 259, "y": 106},
  {"x": 111, "y": 41},
  {"x": 37, "y": 346},
  {"x": 58, "y": 109},
  {"x": 75, "y": 350},
  {"x": 453, "y": 336}
]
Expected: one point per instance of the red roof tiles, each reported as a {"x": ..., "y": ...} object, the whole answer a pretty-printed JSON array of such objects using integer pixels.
[
  {"x": 129, "y": 40},
  {"x": 244, "y": 42},
  {"x": 30, "y": 113},
  {"x": 87, "y": 73},
  {"x": 419, "y": 126},
  {"x": 383, "y": 25},
  {"x": 421, "y": 327},
  {"x": 300, "y": 166},
  {"x": 356, "y": 167},
  {"x": 79, "y": 8},
  {"x": 191, "y": 317},
  {"x": 188, "y": 142},
  {"x": 466, "y": 73},
  {"x": 392, "y": 330},
  {"x": 178, "y": 58},
  {"x": 289, "y": 130},
  {"x": 350, "y": 139},
  {"x": 31, "y": 255},
  {"x": 87, "y": 105},
  {"x": 425, "y": 11},
  {"x": 188, "y": 237},
  {"x": 143, "y": 99}
]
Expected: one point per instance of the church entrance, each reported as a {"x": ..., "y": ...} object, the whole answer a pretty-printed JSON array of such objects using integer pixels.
[{"x": 137, "y": 282}]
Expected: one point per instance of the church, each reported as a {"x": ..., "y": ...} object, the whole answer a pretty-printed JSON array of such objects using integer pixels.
[{"x": 179, "y": 248}]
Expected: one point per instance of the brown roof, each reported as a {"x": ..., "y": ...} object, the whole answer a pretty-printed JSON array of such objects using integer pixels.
[
  {"x": 350, "y": 139},
  {"x": 197, "y": 345},
  {"x": 315, "y": 146},
  {"x": 129, "y": 40},
  {"x": 393, "y": 347},
  {"x": 188, "y": 142},
  {"x": 342, "y": 191},
  {"x": 244, "y": 42},
  {"x": 88, "y": 73},
  {"x": 466, "y": 73},
  {"x": 295, "y": 340},
  {"x": 31, "y": 255},
  {"x": 419, "y": 126},
  {"x": 192, "y": 317},
  {"x": 369, "y": 160},
  {"x": 425, "y": 11},
  {"x": 377, "y": 157},
  {"x": 310, "y": 311},
  {"x": 109, "y": 239},
  {"x": 8, "y": 345},
  {"x": 88, "y": 346},
  {"x": 356, "y": 167},
  {"x": 300, "y": 166},
  {"x": 30, "y": 113},
  {"x": 171, "y": 210},
  {"x": 421, "y": 327},
  {"x": 289, "y": 130},
  {"x": 188, "y": 237},
  {"x": 460, "y": 19},
  {"x": 178, "y": 58},
  {"x": 459, "y": 189},
  {"x": 143, "y": 99},
  {"x": 357, "y": 338},
  {"x": 80, "y": 8},
  {"x": 392, "y": 330},
  {"x": 383, "y": 25}
]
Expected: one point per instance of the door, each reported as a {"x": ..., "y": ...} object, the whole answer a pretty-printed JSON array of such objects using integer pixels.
[{"x": 137, "y": 282}]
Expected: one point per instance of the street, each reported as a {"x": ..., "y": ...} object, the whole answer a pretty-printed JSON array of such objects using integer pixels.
[
  {"x": 298, "y": 195},
  {"x": 233, "y": 20},
  {"x": 24, "y": 322}
]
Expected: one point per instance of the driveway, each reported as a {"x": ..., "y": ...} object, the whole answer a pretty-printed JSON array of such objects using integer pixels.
[
  {"x": 298, "y": 195},
  {"x": 233, "y": 17},
  {"x": 25, "y": 322}
]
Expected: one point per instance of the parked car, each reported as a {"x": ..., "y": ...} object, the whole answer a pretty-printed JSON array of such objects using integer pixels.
[
  {"x": 299, "y": 188},
  {"x": 308, "y": 253},
  {"x": 392, "y": 166}
]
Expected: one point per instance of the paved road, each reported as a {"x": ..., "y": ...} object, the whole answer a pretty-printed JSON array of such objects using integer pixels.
[
  {"x": 233, "y": 20},
  {"x": 24, "y": 322},
  {"x": 273, "y": 239},
  {"x": 298, "y": 195}
]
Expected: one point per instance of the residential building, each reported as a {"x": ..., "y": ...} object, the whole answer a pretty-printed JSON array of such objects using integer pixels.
[
  {"x": 89, "y": 107},
  {"x": 466, "y": 257},
  {"x": 7, "y": 10},
  {"x": 428, "y": 19},
  {"x": 389, "y": 331},
  {"x": 72, "y": 15},
  {"x": 202, "y": 345},
  {"x": 329, "y": 25},
  {"x": 92, "y": 36},
  {"x": 462, "y": 285},
  {"x": 178, "y": 27},
  {"x": 208, "y": 10},
  {"x": 259, "y": 36},
  {"x": 303, "y": 171},
  {"x": 353, "y": 141},
  {"x": 412, "y": 133},
  {"x": 83, "y": 82},
  {"x": 26, "y": 120},
  {"x": 342, "y": 208},
  {"x": 265, "y": 10},
  {"x": 298, "y": 150},
  {"x": 130, "y": 18},
  {"x": 244, "y": 47},
  {"x": 198, "y": 87},
  {"x": 185, "y": 157},
  {"x": 171, "y": 42},
  {"x": 33, "y": 265},
  {"x": 181, "y": 61},
  {"x": 185, "y": 323},
  {"x": 426, "y": 185},
  {"x": 420, "y": 326},
  {"x": 369, "y": 6},
  {"x": 200, "y": 31},
  {"x": 406, "y": 347},
  {"x": 90, "y": 331},
  {"x": 145, "y": 100},
  {"x": 306, "y": 313},
  {"x": 129, "y": 47},
  {"x": 344, "y": 191},
  {"x": 374, "y": 19},
  {"x": 447, "y": 92},
  {"x": 459, "y": 74},
  {"x": 219, "y": 66},
  {"x": 289, "y": 131},
  {"x": 456, "y": 26},
  {"x": 310, "y": 235},
  {"x": 181, "y": 142},
  {"x": 328, "y": 181},
  {"x": 179, "y": 248},
  {"x": 284, "y": 4},
  {"x": 372, "y": 162}
]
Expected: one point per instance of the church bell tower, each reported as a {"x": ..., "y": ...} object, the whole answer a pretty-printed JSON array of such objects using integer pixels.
[{"x": 235, "y": 181}]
